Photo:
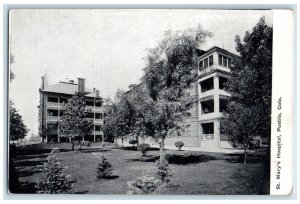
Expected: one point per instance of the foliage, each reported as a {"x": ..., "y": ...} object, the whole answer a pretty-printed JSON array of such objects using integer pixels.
[
  {"x": 17, "y": 128},
  {"x": 74, "y": 119},
  {"x": 55, "y": 181},
  {"x": 144, "y": 185},
  {"x": 104, "y": 169},
  {"x": 144, "y": 147},
  {"x": 34, "y": 139},
  {"x": 169, "y": 72},
  {"x": 179, "y": 144},
  {"x": 120, "y": 120},
  {"x": 163, "y": 170},
  {"x": 250, "y": 86}
]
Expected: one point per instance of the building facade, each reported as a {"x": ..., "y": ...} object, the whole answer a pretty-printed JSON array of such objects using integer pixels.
[
  {"x": 202, "y": 127},
  {"x": 52, "y": 98}
]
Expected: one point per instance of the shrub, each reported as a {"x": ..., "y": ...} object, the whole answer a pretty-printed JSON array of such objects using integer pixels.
[
  {"x": 144, "y": 147},
  {"x": 104, "y": 169},
  {"x": 86, "y": 143},
  {"x": 55, "y": 181},
  {"x": 163, "y": 170},
  {"x": 133, "y": 142},
  {"x": 144, "y": 185},
  {"x": 179, "y": 145}
]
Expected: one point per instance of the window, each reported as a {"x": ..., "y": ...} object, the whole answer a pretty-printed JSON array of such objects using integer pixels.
[
  {"x": 201, "y": 65},
  {"x": 53, "y": 99},
  {"x": 207, "y": 106},
  {"x": 206, "y": 63},
  {"x": 220, "y": 59},
  {"x": 63, "y": 100},
  {"x": 89, "y": 103},
  {"x": 207, "y": 128},
  {"x": 98, "y": 104},
  {"x": 211, "y": 60},
  {"x": 222, "y": 82},
  {"x": 98, "y": 128},
  {"x": 229, "y": 62},
  {"x": 223, "y": 105},
  {"x": 225, "y": 61},
  {"x": 187, "y": 130},
  {"x": 207, "y": 85},
  {"x": 90, "y": 115},
  {"x": 98, "y": 115}
]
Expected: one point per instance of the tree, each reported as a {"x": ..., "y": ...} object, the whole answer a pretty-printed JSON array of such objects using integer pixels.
[
  {"x": 249, "y": 107},
  {"x": 120, "y": 117},
  {"x": 54, "y": 179},
  {"x": 169, "y": 72},
  {"x": 18, "y": 129},
  {"x": 74, "y": 122}
]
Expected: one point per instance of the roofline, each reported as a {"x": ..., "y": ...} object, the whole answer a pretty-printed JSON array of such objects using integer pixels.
[{"x": 215, "y": 48}]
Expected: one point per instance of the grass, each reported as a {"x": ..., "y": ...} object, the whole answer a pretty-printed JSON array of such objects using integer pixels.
[{"x": 193, "y": 172}]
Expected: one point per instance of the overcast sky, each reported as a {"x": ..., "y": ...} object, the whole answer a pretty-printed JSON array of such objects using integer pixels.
[{"x": 106, "y": 47}]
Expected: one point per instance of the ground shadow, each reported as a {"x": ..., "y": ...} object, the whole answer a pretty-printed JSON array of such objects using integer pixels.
[
  {"x": 27, "y": 172},
  {"x": 110, "y": 177},
  {"x": 147, "y": 158},
  {"x": 239, "y": 158},
  {"x": 184, "y": 159},
  {"x": 27, "y": 188},
  {"x": 25, "y": 163}
]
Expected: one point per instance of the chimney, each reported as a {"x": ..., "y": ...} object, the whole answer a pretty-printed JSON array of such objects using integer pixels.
[
  {"x": 94, "y": 90},
  {"x": 97, "y": 93},
  {"x": 43, "y": 83},
  {"x": 81, "y": 85}
]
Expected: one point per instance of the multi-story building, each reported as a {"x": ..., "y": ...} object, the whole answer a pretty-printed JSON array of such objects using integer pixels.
[
  {"x": 202, "y": 127},
  {"x": 52, "y": 98}
]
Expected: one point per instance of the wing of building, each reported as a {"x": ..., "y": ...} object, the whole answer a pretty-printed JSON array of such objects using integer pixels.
[
  {"x": 52, "y": 98},
  {"x": 202, "y": 128}
]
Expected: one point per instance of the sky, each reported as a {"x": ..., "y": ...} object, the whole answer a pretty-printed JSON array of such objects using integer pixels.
[{"x": 106, "y": 47}]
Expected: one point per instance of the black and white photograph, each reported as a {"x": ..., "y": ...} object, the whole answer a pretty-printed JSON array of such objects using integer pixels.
[{"x": 140, "y": 101}]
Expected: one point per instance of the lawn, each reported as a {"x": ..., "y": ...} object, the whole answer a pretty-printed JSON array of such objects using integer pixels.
[{"x": 193, "y": 172}]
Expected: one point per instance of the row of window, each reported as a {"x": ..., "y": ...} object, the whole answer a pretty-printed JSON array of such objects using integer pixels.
[
  {"x": 208, "y": 84},
  {"x": 224, "y": 61},
  {"x": 55, "y": 127},
  {"x": 89, "y": 115},
  {"x": 65, "y": 100},
  {"x": 209, "y": 61}
]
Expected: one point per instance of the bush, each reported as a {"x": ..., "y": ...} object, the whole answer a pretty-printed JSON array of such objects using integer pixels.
[
  {"x": 144, "y": 147},
  {"x": 133, "y": 142},
  {"x": 86, "y": 143},
  {"x": 104, "y": 169},
  {"x": 55, "y": 181},
  {"x": 179, "y": 145},
  {"x": 163, "y": 170},
  {"x": 144, "y": 185}
]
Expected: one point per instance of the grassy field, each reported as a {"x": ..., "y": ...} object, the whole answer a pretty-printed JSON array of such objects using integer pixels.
[{"x": 193, "y": 172}]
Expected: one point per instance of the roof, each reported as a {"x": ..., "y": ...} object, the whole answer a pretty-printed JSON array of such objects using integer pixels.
[
  {"x": 215, "y": 48},
  {"x": 66, "y": 88}
]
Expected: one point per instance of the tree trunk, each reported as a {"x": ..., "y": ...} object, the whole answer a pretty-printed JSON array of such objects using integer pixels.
[
  {"x": 122, "y": 143},
  {"x": 137, "y": 140},
  {"x": 245, "y": 156},
  {"x": 162, "y": 149},
  {"x": 73, "y": 145},
  {"x": 102, "y": 138}
]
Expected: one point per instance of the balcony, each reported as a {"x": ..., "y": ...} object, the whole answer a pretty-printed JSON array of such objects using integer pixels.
[
  {"x": 97, "y": 133},
  {"x": 207, "y": 137},
  {"x": 212, "y": 69},
  {"x": 52, "y": 118}
]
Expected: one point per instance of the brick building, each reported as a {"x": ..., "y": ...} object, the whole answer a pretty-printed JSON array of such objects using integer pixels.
[{"x": 52, "y": 98}]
